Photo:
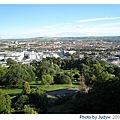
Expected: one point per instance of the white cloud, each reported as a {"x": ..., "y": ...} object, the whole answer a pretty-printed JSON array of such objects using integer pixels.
[
  {"x": 110, "y": 25},
  {"x": 71, "y": 29},
  {"x": 101, "y": 30},
  {"x": 49, "y": 27},
  {"x": 98, "y": 19},
  {"x": 80, "y": 26}
]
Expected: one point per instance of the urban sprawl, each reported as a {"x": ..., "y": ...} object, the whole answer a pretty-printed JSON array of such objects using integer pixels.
[{"x": 27, "y": 50}]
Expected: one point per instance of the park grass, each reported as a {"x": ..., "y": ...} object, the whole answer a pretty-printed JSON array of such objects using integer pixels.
[
  {"x": 59, "y": 87},
  {"x": 16, "y": 91},
  {"x": 35, "y": 83},
  {"x": 12, "y": 91}
]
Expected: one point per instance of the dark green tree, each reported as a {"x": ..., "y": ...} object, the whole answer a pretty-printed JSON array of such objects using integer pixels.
[
  {"x": 21, "y": 101},
  {"x": 105, "y": 98},
  {"x": 47, "y": 79},
  {"x": 3, "y": 71},
  {"x": 15, "y": 76},
  {"x": 11, "y": 62},
  {"x": 96, "y": 71},
  {"x": 40, "y": 101},
  {"x": 62, "y": 78},
  {"x": 44, "y": 68},
  {"x": 117, "y": 72}
]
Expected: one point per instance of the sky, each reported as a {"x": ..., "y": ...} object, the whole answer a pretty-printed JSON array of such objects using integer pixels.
[{"x": 59, "y": 20}]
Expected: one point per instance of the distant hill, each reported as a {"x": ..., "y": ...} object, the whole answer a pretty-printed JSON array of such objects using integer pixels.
[{"x": 103, "y": 38}]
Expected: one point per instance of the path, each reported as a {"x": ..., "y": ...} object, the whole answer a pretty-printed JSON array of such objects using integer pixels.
[{"x": 61, "y": 92}]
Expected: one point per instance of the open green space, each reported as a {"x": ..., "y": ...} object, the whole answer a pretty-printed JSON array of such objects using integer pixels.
[
  {"x": 12, "y": 91},
  {"x": 35, "y": 83},
  {"x": 15, "y": 91},
  {"x": 59, "y": 87}
]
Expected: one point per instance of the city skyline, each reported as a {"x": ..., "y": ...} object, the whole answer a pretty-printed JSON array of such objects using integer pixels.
[{"x": 59, "y": 20}]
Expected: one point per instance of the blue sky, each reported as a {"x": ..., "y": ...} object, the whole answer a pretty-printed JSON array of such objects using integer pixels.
[{"x": 38, "y": 20}]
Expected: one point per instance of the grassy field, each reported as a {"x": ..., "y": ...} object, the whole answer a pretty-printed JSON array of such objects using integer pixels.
[
  {"x": 35, "y": 83},
  {"x": 59, "y": 87},
  {"x": 12, "y": 91},
  {"x": 15, "y": 91}
]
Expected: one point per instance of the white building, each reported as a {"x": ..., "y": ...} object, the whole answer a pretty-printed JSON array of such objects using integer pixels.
[
  {"x": 31, "y": 55},
  {"x": 17, "y": 56},
  {"x": 70, "y": 52}
]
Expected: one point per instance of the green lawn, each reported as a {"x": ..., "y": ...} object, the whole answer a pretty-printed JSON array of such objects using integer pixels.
[
  {"x": 35, "y": 83},
  {"x": 59, "y": 86},
  {"x": 15, "y": 91},
  {"x": 12, "y": 91}
]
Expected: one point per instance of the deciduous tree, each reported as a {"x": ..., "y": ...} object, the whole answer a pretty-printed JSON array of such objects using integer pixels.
[
  {"x": 5, "y": 103},
  {"x": 26, "y": 88}
]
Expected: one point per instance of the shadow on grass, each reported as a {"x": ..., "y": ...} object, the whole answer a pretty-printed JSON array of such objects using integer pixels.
[
  {"x": 35, "y": 84},
  {"x": 62, "y": 92}
]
